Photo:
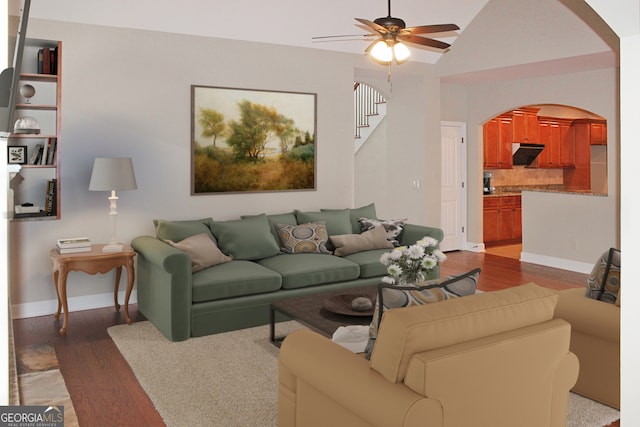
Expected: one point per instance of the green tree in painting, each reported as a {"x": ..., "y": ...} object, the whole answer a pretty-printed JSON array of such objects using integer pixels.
[
  {"x": 248, "y": 136},
  {"x": 212, "y": 123},
  {"x": 286, "y": 132}
]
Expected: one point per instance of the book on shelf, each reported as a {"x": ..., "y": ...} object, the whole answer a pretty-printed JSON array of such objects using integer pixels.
[
  {"x": 19, "y": 209},
  {"x": 51, "y": 200},
  {"x": 74, "y": 242},
  {"x": 36, "y": 154},
  {"x": 45, "y": 152},
  {"x": 48, "y": 60},
  {"x": 74, "y": 250},
  {"x": 51, "y": 153}
]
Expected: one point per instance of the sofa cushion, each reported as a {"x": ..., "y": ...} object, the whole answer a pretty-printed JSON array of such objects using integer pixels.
[
  {"x": 303, "y": 238},
  {"x": 412, "y": 330},
  {"x": 248, "y": 238},
  {"x": 303, "y": 270},
  {"x": 337, "y": 222},
  {"x": 369, "y": 263},
  {"x": 604, "y": 281},
  {"x": 233, "y": 279},
  {"x": 202, "y": 250},
  {"x": 367, "y": 211},
  {"x": 273, "y": 219},
  {"x": 393, "y": 227},
  {"x": 346, "y": 244},
  {"x": 180, "y": 230},
  {"x": 436, "y": 290}
]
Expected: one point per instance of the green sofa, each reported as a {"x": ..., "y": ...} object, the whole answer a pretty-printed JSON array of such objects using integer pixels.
[{"x": 236, "y": 293}]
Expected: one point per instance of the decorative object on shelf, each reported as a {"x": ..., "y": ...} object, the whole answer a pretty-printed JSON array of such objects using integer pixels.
[
  {"x": 27, "y": 91},
  {"x": 410, "y": 265},
  {"x": 113, "y": 174},
  {"x": 252, "y": 140},
  {"x": 17, "y": 154},
  {"x": 26, "y": 125}
]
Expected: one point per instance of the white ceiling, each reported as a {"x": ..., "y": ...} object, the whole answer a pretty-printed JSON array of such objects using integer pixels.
[
  {"x": 521, "y": 37},
  {"x": 285, "y": 22}
]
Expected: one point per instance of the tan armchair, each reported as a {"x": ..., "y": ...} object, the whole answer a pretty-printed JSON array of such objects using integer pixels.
[
  {"x": 493, "y": 359},
  {"x": 595, "y": 340}
]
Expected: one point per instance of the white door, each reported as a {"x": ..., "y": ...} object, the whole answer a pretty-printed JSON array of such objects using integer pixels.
[{"x": 453, "y": 185}]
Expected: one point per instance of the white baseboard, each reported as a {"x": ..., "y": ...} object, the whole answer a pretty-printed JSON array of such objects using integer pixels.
[
  {"x": 474, "y": 247},
  {"x": 87, "y": 302},
  {"x": 564, "y": 264}
]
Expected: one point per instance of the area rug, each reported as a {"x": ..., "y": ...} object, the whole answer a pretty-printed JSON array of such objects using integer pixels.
[{"x": 230, "y": 379}]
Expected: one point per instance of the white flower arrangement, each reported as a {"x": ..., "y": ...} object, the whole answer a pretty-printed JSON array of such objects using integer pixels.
[{"x": 410, "y": 264}]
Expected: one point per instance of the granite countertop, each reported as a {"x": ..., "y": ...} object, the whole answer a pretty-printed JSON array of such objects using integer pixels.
[{"x": 517, "y": 190}]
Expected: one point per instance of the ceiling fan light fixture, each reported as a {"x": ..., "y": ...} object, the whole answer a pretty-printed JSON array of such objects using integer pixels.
[
  {"x": 401, "y": 52},
  {"x": 381, "y": 52},
  {"x": 386, "y": 51}
]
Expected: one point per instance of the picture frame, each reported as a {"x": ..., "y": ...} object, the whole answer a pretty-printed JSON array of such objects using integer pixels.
[
  {"x": 252, "y": 140},
  {"x": 17, "y": 154}
]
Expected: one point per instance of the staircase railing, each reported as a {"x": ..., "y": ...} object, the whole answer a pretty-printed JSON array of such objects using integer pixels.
[{"x": 369, "y": 109}]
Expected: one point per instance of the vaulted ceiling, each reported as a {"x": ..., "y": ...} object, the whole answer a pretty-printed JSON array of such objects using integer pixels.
[{"x": 505, "y": 33}]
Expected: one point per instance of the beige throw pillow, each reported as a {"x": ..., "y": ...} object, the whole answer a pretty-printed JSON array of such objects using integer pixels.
[
  {"x": 202, "y": 250},
  {"x": 375, "y": 238}
]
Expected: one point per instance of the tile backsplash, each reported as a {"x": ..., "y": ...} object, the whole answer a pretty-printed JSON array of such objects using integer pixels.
[{"x": 521, "y": 175}]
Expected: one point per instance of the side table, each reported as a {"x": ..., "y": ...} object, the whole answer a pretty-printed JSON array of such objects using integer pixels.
[{"x": 92, "y": 262}]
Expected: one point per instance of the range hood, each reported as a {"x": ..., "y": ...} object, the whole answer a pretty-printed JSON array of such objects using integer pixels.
[{"x": 525, "y": 154}]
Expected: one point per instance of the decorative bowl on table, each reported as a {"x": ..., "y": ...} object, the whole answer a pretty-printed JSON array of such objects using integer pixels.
[{"x": 354, "y": 304}]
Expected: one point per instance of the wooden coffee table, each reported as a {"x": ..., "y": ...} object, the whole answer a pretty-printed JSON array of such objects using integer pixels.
[{"x": 310, "y": 311}]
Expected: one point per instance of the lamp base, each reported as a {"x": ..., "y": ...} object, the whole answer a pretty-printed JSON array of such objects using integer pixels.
[{"x": 113, "y": 247}]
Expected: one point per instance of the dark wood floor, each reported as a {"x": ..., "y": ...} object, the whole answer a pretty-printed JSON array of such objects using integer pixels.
[{"x": 105, "y": 392}]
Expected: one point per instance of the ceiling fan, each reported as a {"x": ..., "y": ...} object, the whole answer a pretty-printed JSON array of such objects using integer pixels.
[{"x": 392, "y": 32}]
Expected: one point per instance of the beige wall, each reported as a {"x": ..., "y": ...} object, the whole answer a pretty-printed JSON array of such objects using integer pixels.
[
  {"x": 404, "y": 149},
  {"x": 127, "y": 93}
]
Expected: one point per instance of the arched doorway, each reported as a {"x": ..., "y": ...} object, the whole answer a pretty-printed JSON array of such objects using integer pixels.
[{"x": 555, "y": 148}]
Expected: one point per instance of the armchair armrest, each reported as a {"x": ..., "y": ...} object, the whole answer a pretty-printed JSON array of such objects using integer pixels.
[
  {"x": 413, "y": 232},
  {"x": 312, "y": 366},
  {"x": 164, "y": 286},
  {"x": 589, "y": 316}
]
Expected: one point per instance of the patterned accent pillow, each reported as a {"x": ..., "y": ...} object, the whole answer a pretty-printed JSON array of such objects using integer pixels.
[
  {"x": 393, "y": 227},
  {"x": 444, "y": 288},
  {"x": 304, "y": 238},
  {"x": 603, "y": 282},
  {"x": 203, "y": 251}
]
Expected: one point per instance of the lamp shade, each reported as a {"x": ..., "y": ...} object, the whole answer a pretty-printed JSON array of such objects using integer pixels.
[{"x": 112, "y": 173}]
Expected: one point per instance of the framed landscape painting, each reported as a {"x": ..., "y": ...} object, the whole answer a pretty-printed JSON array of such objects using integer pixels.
[{"x": 246, "y": 140}]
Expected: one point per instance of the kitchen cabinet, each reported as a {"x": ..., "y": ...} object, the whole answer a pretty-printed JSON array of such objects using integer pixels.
[
  {"x": 595, "y": 131},
  {"x": 579, "y": 177},
  {"x": 598, "y": 133},
  {"x": 502, "y": 219},
  {"x": 497, "y": 142},
  {"x": 557, "y": 135},
  {"x": 525, "y": 125}
]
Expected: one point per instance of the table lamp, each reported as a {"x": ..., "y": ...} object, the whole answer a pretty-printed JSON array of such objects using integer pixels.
[{"x": 112, "y": 174}]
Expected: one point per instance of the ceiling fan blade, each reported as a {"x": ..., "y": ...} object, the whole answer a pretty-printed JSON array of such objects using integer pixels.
[
  {"x": 342, "y": 35},
  {"x": 366, "y": 51},
  {"x": 373, "y": 25},
  {"x": 424, "y": 41},
  {"x": 429, "y": 29}
]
